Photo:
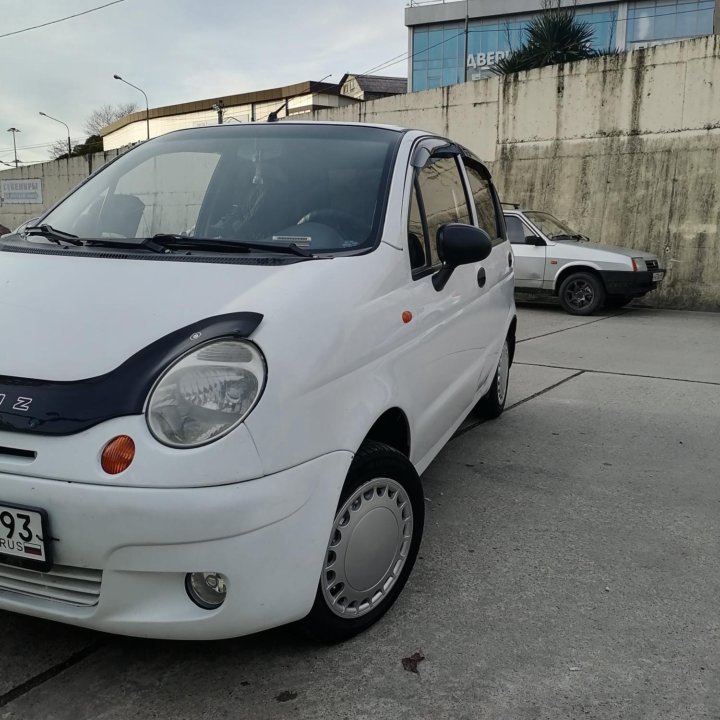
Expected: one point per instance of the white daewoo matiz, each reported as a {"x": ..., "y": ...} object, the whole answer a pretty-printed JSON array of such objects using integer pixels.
[{"x": 226, "y": 359}]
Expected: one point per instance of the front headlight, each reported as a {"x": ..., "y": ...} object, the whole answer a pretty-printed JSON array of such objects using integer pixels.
[{"x": 206, "y": 393}]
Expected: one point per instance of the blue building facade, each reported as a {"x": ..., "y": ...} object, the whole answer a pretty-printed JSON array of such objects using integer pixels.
[{"x": 441, "y": 54}]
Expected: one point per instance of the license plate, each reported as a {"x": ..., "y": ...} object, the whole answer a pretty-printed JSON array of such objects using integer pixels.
[
  {"x": 658, "y": 276},
  {"x": 23, "y": 537}
]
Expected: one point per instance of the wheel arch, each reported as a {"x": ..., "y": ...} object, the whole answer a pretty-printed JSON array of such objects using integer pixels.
[
  {"x": 512, "y": 330},
  {"x": 392, "y": 428},
  {"x": 570, "y": 269}
]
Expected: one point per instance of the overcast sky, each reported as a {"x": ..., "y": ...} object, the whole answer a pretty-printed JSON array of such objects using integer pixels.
[{"x": 177, "y": 51}]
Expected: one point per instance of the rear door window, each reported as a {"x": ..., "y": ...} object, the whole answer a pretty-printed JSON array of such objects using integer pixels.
[{"x": 482, "y": 195}]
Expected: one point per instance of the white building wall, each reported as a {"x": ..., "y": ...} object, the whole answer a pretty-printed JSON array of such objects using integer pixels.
[{"x": 137, "y": 131}]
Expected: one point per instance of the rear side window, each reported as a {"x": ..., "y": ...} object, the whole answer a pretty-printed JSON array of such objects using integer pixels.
[
  {"x": 482, "y": 196},
  {"x": 443, "y": 199}
]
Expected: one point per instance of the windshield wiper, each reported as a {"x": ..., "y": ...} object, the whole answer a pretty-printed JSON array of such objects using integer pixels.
[
  {"x": 50, "y": 233},
  {"x": 170, "y": 241}
]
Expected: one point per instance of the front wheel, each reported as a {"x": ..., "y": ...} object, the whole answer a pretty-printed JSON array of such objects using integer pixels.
[
  {"x": 581, "y": 293},
  {"x": 492, "y": 404},
  {"x": 373, "y": 544}
]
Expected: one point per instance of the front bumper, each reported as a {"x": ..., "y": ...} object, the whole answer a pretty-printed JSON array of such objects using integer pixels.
[
  {"x": 632, "y": 284},
  {"x": 268, "y": 536}
]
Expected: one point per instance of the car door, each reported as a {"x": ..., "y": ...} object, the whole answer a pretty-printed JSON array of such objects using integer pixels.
[
  {"x": 496, "y": 271},
  {"x": 441, "y": 368},
  {"x": 529, "y": 258}
]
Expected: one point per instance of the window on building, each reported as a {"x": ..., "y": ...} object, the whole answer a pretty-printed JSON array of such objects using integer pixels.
[
  {"x": 603, "y": 21},
  {"x": 664, "y": 20},
  {"x": 437, "y": 55},
  {"x": 439, "y": 50}
]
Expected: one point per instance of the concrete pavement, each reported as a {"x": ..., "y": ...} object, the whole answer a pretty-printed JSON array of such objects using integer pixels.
[{"x": 569, "y": 567}]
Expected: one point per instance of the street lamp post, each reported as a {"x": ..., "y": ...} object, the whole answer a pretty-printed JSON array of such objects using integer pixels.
[
  {"x": 467, "y": 30},
  {"x": 147, "y": 105},
  {"x": 49, "y": 117},
  {"x": 219, "y": 108},
  {"x": 14, "y": 130}
]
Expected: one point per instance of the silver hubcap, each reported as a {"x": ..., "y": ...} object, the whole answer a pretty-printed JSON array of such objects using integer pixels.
[
  {"x": 503, "y": 373},
  {"x": 369, "y": 545}
]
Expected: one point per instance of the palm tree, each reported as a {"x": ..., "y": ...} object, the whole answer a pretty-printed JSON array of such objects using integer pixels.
[{"x": 552, "y": 37}]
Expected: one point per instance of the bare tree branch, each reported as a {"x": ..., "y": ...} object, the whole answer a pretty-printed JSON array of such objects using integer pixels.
[
  {"x": 105, "y": 115},
  {"x": 59, "y": 148}
]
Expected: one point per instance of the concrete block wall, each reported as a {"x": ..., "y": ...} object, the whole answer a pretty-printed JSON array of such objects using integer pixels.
[{"x": 58, "y": 178}]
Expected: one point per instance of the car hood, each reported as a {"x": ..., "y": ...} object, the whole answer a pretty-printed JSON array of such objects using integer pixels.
[
  {"x": 627, "y": 252},
  {"x": 67, "y": 318}
]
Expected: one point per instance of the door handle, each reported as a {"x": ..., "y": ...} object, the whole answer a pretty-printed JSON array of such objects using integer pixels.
[{"x": 481, "y": 277}]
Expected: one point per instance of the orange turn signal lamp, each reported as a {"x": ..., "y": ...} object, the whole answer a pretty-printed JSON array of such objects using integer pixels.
[{"x": 118, "y": 454}]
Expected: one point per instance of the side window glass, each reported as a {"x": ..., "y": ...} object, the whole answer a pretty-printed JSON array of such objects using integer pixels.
[
  {"x": 483, "y": 198},
  {"x": 417, "y": 240},
  {"x": 443, "y": 197},
  {"x": 484, "y": 204},
  {"x": 515, "y": 230}
]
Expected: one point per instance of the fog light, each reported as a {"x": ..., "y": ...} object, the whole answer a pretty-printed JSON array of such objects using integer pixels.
[{"x": 206, "y": 589}]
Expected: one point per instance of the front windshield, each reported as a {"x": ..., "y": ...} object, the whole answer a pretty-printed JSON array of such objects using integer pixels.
[
  {"x": 321, "y": 187},
  {"x": 550, "y": 226}
]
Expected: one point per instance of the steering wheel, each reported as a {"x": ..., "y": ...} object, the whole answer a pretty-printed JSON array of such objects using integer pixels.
[{"x": 346, "y": 224}]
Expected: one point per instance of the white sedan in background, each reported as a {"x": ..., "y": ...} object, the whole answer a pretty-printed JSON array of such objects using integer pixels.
[{"x": 550, "y": 257}]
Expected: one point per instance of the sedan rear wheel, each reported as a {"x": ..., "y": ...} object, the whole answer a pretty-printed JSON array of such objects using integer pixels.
[{"x": 373, "y": 544}]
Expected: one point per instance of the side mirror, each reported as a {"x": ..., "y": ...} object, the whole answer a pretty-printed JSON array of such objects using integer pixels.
[
  {"x": 459, "y": 245},
  {"x": 535, "y": 240}
]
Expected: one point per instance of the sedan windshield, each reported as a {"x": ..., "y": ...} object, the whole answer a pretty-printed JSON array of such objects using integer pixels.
[
  {"x": 313, "y": 186},
  {"x": 550, "y": 225}
]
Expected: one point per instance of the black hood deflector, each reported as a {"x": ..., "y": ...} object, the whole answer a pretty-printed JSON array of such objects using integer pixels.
[{"x": 47, "y": 407}]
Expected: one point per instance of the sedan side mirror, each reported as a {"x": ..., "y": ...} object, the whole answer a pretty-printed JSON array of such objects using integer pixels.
[
  {"x": 459, "y": 244},
  {"x": 534, "y": 240}
]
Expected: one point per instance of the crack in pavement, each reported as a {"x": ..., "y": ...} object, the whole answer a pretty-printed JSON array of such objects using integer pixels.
[
  {"x": 547, "y": 389},
  {"x": 49, "y": 674},
  {"x": 574, "y": 327},
  {"x": 621, "y": 374},
  {"x": 466, "y": 428}
]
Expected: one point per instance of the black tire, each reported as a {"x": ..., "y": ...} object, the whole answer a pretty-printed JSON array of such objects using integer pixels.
[
  {"x": 374, "y": 463},
  {"x": 492, "y": 403},
  {"x": 581, "y": 293},
  {"x": 617, "y": 301}
]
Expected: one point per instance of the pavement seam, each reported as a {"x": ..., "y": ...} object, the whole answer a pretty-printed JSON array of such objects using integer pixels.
[
  {"x": 37, "y": 680},
  {"x": 547, "y": 389},
  {"x": 573, "y": 327},
  {"x": 621, "y": 374},
  {"x": 466, "y": 428}
]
